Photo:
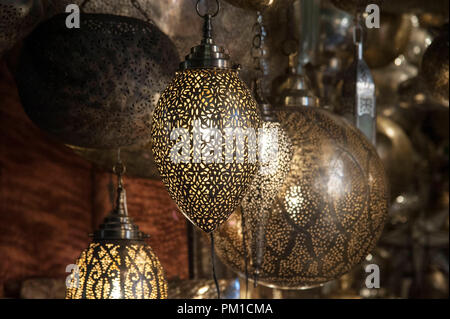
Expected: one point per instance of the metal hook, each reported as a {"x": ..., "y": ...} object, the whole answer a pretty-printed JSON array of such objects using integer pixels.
[
  {"x": 197, "y": 8},
  {"x": 119, "y": 168}
]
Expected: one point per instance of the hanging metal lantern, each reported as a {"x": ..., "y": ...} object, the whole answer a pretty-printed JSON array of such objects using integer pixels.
[
  {"x": 332, "y": 206},
  {"x": 435, "y": 68},
  {"x": 330, "y": 211},
  {"x": 208, "y": 178},
  {"x": 118, "y": 264},
  {"x": 397, "y": 154},
  {"x": 419, "y": 41},
  {"x": 399, "y": 6},
  {"x": 95, "y": 86}
]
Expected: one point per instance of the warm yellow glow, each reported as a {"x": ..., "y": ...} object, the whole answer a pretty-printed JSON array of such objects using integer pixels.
[{"x": 118, "y": 270}]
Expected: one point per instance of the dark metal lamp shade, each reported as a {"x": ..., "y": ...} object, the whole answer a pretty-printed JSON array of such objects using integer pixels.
[{"x": 95, "y": 86}]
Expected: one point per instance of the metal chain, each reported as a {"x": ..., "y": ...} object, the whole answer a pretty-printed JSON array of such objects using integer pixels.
[
  {"x": 211, "y": 15},
  {"x": 119, "y": 168},
  {"x": 258, "y": 51}
]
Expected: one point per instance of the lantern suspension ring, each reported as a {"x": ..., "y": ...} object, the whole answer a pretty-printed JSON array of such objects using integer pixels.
[{"x": 207, "y": 55}]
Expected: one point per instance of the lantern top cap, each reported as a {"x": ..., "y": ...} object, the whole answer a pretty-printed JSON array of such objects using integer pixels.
[
  {"x": 207, "y": 55},
  {"x": 118, "y": 225}
]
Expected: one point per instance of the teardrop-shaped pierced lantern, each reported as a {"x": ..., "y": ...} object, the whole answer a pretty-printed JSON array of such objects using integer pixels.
[
  {"x": 118, "y": 264},
  {"x": 95, "y": 86},
  {"x": 204, "y": 135}
]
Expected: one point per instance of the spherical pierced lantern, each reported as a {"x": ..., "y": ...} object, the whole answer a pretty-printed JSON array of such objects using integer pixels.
[
  {"x": 204, "y": 135},
  {"x": 118, "y": 264},
  {"x": 330, "y": 210},
  {"x": 95, "y": 86}
]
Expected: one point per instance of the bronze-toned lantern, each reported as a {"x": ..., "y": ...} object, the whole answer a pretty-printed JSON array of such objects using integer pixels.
[
  {"x": 95, "y": 86},
  {"x": 118, "y": 264},
  {"x": 206, "y": 174}
]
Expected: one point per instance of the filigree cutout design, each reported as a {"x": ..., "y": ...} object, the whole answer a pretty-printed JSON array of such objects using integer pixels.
[
  {"x": 95, "y": 86},
  {"x": 118, "y": 270},
  {"x": 206, "y": 184},
  {"x": 330, "y": 211}
]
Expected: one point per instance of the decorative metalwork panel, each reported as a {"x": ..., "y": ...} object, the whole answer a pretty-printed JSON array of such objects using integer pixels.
[
  {"x": 275, "y": 151},
  {"x": 118, "y": 270},
  {"x": 95, "y": 86},
  {"x": 206, "y": 187},
  {"x": 330, "y": 211}
]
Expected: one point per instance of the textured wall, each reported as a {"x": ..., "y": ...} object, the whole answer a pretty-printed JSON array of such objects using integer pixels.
[{"x": 50, "y": 200}]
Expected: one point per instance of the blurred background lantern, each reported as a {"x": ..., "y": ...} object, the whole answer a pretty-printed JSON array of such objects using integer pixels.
[
  {"x": 91, "y": 86},
  {"x": 435, "y": 70},
  {"x": 330, "y": 211},
  {"x": 118, "y": 264},
  {"x": 18, "y": 18},
  {"x": 206, "y": 98}
]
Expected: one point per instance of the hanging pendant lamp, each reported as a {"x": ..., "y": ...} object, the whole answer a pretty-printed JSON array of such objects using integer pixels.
[
  {"x": 95, "y": 86},
  {"x": 332, "y": 206},
  {"x": 118, "y": 264},
  {"x": 206, "y": 172}
]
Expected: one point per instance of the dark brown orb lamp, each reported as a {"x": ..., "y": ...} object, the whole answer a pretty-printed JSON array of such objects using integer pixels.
[
  {"x": 118, "y": 264},
  {"x": 95, "y": 86},
  {"x": 206, "y": 176},
  {"x": 331, "y": 208}
]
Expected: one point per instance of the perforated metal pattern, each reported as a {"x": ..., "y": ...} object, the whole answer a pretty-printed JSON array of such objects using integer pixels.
[
  {"x": 95, "y": 86},
  {"x": 118, "y": 270},
  {"x": 330, "y": 211},
  {"x": 209, "y": 190},
  {"x": 17, "y": 18}
]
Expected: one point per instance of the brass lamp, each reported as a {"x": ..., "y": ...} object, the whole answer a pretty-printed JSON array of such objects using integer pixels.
[
  {"x": 118, "y": 264},
  {"x": 206, "y": 175}
]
